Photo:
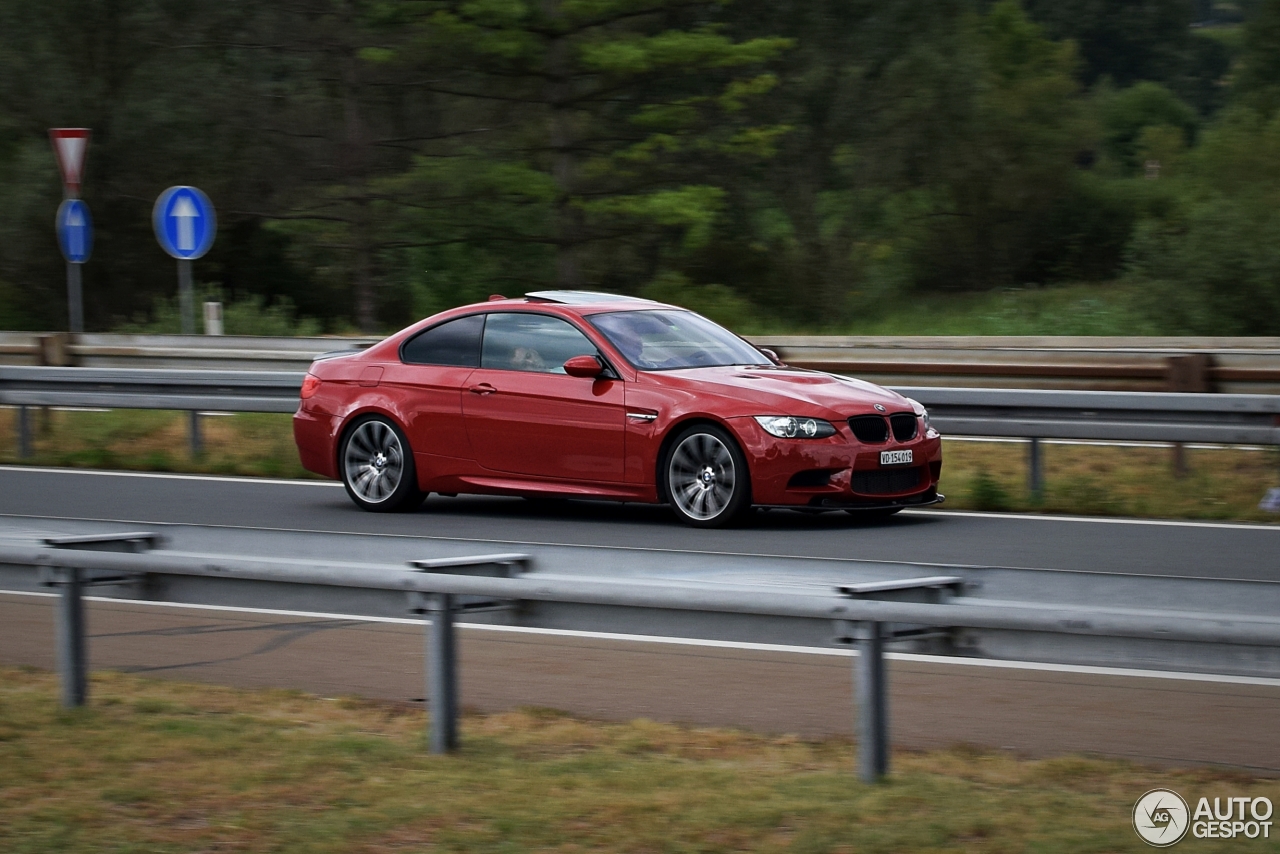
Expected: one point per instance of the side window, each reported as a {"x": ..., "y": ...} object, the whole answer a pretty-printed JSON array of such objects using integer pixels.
[
  {"x": 531, "y": 342},
  {"x": 455, "y": 343}
]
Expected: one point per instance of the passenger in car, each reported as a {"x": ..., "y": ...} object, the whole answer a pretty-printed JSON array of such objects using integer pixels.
[{"x": 527, "y": 359}]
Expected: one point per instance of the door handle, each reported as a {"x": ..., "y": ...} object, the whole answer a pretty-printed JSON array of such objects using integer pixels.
[{"x": 482, "y": 388}]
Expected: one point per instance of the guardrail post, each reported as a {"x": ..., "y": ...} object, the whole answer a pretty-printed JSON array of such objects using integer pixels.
[
  {"x": 72, "y": 662},
  {"x": 1190, "y": 372},
  {"x": 24, "y": 432},
  {"x": 197, "y": 440},
  {"x": 442, "y": 674},
  {"x": 1035, "y": 470},
  {"x": 873, "y": 703}
]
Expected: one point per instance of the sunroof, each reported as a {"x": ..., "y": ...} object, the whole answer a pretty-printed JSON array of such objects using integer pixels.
[{"x": 580, "y": 297}]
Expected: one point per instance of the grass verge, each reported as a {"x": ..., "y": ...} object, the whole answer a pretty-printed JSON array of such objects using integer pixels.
[
  {"x": 251, "y": 443},
  {"x": 1102, "y": 480},
  {"x": 162, "y": 766},
  {"x": 1224, "y": 484}
]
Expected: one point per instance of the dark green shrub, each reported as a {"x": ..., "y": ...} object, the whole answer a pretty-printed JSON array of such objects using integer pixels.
[{"x": 985, "y": 493}]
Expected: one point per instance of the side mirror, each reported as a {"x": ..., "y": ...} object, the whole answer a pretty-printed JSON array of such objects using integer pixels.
[
  {"x": 770, "y": 355},
  {"x": 587, "y": 367}
]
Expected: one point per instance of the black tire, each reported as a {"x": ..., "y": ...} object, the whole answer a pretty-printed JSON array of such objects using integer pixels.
[
  {"x": 376, "y": 466},
  {"x": 869, "y": 515},
  {"x": 705, "y": 477}
]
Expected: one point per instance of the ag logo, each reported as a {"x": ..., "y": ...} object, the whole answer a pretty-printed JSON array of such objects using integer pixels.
[{"x": 1160, "y": 817}]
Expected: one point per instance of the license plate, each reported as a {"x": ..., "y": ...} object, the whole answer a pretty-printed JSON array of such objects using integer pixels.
[{"x": 894, "y": 458}]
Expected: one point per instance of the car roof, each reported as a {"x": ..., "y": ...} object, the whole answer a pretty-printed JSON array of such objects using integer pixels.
[{"x": 586, "y": 298}]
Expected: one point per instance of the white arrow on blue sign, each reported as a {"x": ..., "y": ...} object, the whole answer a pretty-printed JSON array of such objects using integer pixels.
[
  {"x": 75, "y": 230},
  {"x": 184, "y": 222}
]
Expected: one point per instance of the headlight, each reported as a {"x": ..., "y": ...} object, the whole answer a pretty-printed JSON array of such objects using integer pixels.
[
  {"x": 790, "y": 427},
  {"x": 921, "y": 412}
]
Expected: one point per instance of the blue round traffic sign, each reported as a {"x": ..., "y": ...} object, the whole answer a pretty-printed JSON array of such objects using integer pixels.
[
  {"x": 184, "y": 222},
  {"x": 75, "y": 230}
]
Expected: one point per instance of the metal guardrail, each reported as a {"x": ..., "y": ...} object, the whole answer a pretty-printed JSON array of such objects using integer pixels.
[
  {"x": 181, "y": 352},
  {"x": 866, "y": 615},
  {"x": 1231, "y": 419},
  {"x": 131, "y": 388},
  {"x": 1229, "y": 365},
  {"x": 1222, "y": 419},
  {"x": 1016, "y": 413}
]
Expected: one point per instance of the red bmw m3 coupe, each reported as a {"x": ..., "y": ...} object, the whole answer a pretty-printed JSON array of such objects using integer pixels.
[{"x": 589, "y": 395}]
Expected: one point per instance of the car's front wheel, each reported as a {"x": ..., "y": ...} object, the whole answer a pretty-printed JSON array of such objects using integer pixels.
[
  {"x": 707, "y": 481},
  {"x": 377, "y": 466}
]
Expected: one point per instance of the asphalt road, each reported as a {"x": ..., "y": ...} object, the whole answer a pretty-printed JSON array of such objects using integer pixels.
[
  {"x": 925, "y": 536},
  {"x": 935, "y": 703}
]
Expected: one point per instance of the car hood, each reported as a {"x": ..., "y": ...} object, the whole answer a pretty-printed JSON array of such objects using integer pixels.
[{"x": 788, "y": 391}]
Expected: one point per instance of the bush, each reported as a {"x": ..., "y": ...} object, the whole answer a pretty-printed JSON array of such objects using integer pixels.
[
  {"x": 1127, "y": 114},
  {"x": 717, "y": 302},
  {"x": 1212, "y": 263},
  {"x": 252, "y": 316},
  {"x": 985, "y": 493}
]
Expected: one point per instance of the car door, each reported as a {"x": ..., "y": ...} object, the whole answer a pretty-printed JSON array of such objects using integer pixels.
[
  {"x": 435, "y": 365},
  {"x": 524, "y": 415}
]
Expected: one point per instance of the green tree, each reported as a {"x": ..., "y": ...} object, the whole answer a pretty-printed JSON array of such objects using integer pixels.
[
  {"x": 1214, "y": 258},
  {"x": 933, "y": 148},
  {"x": 1257, "y": 81},
  {"x": 1145, "y": 106},
  {"x": 1126, "y": 41},
  {"x": 594, "y": 134},
  {"x": 171, "y": 94},
  {"x": 1212, "y": 255}
]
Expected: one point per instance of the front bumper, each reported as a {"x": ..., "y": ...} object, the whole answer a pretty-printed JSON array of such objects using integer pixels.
[
  {"x": 838, "y": 472},
  {"x": 922, "y": 499}
]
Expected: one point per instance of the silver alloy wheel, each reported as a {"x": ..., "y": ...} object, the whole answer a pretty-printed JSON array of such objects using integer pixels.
[
  {"x": 701, "y": 477},
  {"x": 373, "y": 461}
]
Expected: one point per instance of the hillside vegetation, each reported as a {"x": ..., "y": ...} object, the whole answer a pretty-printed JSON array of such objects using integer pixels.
[{"x": 817, "y": 165}]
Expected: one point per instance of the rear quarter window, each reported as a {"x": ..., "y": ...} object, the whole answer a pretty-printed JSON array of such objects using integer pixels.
[{"x": 453, "y": 343}]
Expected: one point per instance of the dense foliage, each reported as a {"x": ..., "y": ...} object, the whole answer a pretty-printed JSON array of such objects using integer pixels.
[{"x": 792, "y": 162}]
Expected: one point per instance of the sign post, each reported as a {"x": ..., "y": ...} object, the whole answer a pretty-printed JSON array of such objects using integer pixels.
[
  {"x": 185, "y": 225},
  {"x": 75, "y": 239},
  {"x": 74, "y": 227}
]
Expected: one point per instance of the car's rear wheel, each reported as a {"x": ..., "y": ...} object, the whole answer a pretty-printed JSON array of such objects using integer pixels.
[
  {"x": 377, "y": 466},
  {"x": 706, "y": 477}
]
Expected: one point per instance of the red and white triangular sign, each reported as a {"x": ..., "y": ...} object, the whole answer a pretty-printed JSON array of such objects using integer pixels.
[{"x": 70, "y": 145}]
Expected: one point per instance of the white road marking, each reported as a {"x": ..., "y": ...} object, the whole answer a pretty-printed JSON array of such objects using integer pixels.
[
  {"x": 276, "y": 481},
  {"x": 695, "y": 642},
  {"x": 1103, "y": 444},
  {"x": 1029, "y": 517}
]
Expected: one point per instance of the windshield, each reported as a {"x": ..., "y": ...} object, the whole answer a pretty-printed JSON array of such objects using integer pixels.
[{"x": 665, "y": 339}]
